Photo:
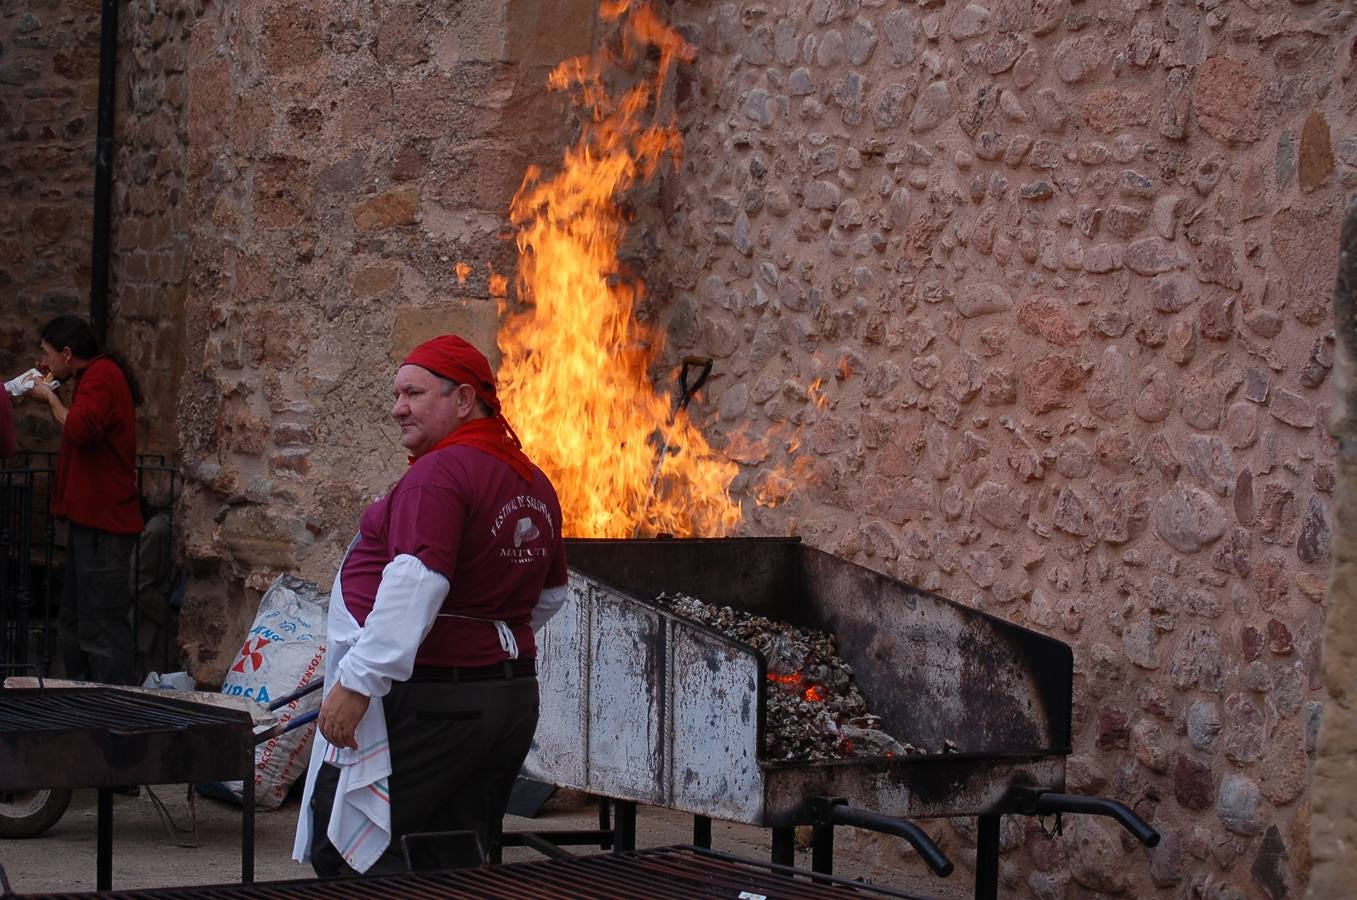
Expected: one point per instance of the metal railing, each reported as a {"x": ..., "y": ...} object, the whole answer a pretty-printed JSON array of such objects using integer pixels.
[{"x": 32, "y": 551}]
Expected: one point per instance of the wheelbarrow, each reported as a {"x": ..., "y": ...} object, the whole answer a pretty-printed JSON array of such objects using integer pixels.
[{"x": 26, "y": 814}]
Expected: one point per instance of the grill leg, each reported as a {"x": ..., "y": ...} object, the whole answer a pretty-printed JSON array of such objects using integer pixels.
[
  {"x": 987, "y": 859},
  {"x": 103, "y": 860},
  {"x": 702, "y": 832},
  {"x": 247, "y": 823},
  {"x": 626, "y": 826},
  {"x": 822, "y": 850},
  {"x": 605, "y": 824},
  {"x": 784, "y": 846}
]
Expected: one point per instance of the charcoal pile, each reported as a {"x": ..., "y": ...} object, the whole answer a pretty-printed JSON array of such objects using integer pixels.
[{"x": 815, "y": 712}]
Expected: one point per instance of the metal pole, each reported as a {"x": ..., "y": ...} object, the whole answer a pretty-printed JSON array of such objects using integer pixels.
[
  {"x": 784, "y": 846},
  {"x": 626, "y": 826},
  {"x": 702, "y": 832},
  {"x": 103, "y": 861},
  {"x": 987, "y": 859},
  {"x": 247, "y": 819},
  {"x": 822, "y": 850},
  {"x": 103, "y": 168}
]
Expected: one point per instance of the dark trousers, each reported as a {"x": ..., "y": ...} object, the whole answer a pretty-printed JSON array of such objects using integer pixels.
[
  {"x": 455, "y": 751},
  {"x": 96, "y": 599}
]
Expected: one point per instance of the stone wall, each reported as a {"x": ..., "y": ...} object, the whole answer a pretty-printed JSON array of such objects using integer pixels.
[
  {"x": 342, "y": 159},
  {"x": 49, "y": 86},
  {"x": 1335, "y": 803},
  {"x": 49, "y": 68},
  {"x": 1042, "y": 289},
  {"x": 150, "y": 243}
]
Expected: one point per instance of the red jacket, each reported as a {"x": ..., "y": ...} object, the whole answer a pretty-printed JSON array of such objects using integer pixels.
[{"x": 96, "y": 478}]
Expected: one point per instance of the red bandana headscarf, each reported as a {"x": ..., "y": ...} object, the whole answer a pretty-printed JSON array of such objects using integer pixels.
[{"x": 455, "y": 359}]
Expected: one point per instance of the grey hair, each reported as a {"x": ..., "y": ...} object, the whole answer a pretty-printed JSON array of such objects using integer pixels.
[{"x": 446, "y": 386}]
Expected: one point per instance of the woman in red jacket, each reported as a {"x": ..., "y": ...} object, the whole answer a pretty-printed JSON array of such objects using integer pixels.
[{"x": 95, "y": 491}]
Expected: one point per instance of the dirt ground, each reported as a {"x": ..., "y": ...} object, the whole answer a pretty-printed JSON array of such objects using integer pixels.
[{"x": 146, "y": 855}]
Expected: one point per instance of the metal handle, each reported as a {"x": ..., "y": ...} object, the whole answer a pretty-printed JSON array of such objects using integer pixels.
[
  {"x": 297, "y": 694},
  {"x": 1046, "y": 803},
  {"x": 686, "y": 390},
  {"x": 284, "y": 727},
  {"x": 834, "y": 812}
]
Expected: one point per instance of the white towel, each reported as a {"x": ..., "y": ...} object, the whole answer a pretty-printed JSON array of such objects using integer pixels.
[{"x": 360, "y": 823}]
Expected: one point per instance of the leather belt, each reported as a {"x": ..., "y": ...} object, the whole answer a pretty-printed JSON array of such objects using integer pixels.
[{"x": 505, "y": 671}]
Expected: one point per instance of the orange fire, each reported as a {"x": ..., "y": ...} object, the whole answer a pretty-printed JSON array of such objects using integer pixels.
[
  {"x": 575, "y": 367},
  {"x": 794, "y": 680}
]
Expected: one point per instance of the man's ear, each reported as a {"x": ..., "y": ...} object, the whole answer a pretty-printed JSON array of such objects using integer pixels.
[{"x": 466, "y": 400}]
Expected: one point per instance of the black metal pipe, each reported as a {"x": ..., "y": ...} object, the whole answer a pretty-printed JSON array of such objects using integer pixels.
[
  {"x": 103, "y": 168},
  {"x": 987, "y": 859},
  {"x": 605, "y": 826},
  {"x": 247, "y": 820},
  {"x": 1047, "y": 803},
  {"x": 103, "y": 836},
  {"x": 822, "y": 850},
  {"x": 626, "y": 826},
  {"x": 917, "y": 837},
  {"x": 784, "y": 846},
  {"x": 702, "y": 832}
]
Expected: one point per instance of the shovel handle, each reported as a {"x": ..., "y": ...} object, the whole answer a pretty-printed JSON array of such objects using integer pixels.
[{"x": 686, "y": 389}]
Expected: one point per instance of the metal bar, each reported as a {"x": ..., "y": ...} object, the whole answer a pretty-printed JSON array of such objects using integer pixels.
[
  {"x": 1047, "y": 803},
  {"x": 563, "y": 837},
  {"x": 626, "y": 826},
  {"x": 103, "y": 860},
  {"x": 784, "y": 846},
  {"x": 545, "y": 847},
  {"x": 822, "y": 850},
  {"x": 917, "y": 837},
  {"x": 247, "y": 819},
  {"x": 103, "y": 167},
  {"x": 702, "y": 831},
  {"x": 605, "y": 825},
  {"x": 987, "y": 859}
]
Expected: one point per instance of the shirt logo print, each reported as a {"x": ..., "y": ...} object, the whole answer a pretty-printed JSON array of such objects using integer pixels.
[{"x": 525, "y": 532}]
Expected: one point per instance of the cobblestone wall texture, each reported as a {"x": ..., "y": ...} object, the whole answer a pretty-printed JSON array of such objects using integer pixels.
[
  {"x": 1334, "y": 832},
  {"x": 148, "y": 276},
  {"x": 342, "y": 158},
  {"x": 1064, "y": 271},
  {"x": 49, "y": 58},
  {"x": 49, "y": 61}
]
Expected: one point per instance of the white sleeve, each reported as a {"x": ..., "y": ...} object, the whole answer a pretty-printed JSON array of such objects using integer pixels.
[
  {"x": 548, "y": 605},
  {"x": 408, "y": 599}
]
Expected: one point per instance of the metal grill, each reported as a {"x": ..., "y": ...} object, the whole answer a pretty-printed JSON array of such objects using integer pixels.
[
  {"x": 105, "y": 737},
  {"x": 110, "y": 737},
  {"x": 666, "y": 873}
]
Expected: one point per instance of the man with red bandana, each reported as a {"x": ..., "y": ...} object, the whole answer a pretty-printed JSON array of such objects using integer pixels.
[{"x": 430, "y": 682}]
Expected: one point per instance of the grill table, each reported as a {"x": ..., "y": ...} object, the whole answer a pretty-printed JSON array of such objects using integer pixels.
[
  {"x": 679, "y": 873},
  {"x": 105, "y": 738}
]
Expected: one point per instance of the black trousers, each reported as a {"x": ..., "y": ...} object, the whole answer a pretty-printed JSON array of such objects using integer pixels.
[
  {"x": 96, "y": 600},
  {"x": 455, "y": 752}
]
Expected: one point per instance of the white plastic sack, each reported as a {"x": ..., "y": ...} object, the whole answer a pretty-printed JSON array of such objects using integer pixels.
[{"x": 283, "y": 652}]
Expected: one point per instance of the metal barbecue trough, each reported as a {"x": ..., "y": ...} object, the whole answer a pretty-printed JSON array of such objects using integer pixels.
[{"x": 642, "y": 706}]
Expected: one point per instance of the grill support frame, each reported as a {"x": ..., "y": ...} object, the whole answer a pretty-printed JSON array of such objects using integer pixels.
[{"x": 107, "y": 737}]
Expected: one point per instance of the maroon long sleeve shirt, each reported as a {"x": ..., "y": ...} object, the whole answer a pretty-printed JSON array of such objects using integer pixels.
[{"x": 96, "y": 478}]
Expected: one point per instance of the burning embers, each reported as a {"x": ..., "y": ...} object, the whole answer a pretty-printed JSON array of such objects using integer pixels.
[{"x": 815, "y": 712}]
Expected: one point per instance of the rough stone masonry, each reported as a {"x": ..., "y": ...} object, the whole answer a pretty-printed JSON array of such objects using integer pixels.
[
  {"x": 1064, "y": 270},
  {"x": 1061, "y": 267}
]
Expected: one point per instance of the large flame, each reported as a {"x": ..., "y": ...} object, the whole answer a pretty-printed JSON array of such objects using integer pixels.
[{"x": 574, "y": 371}]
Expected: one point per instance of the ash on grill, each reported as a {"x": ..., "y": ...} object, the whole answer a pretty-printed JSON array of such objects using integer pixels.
[{"x": 815, "y": 711}]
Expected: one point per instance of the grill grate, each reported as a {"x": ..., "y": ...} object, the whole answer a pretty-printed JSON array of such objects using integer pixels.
[
  {"x": 665, "y": 873},
  {"x": 27, "y": 711}
]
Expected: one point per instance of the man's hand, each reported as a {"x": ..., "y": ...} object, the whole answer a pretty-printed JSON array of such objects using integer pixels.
[{"x": 340, "y": 714}]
